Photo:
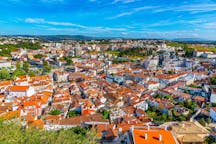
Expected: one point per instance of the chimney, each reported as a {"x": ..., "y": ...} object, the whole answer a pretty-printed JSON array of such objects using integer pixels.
[
  {"x": 160, "y": 137},
  {"x": 166, "y": 128},
  {"x": 114, "y": 127},
  {"x": 132, "y": 128},
  {"x": 146, "y": 136},
  {"x": 183, "y": 125},
  {"x": 148, "y": 127},
  {"x": 120, "y": 130}
]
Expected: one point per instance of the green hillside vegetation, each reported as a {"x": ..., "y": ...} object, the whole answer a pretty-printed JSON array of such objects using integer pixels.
[
  {"x": 175, "y": 44},
  {"x": 135, "y": 52},
  {"x": 28, "y": 45},
  {"x": 206, "y": 49},
  {"x": 6, "y": 49},
  {"x": 113, "y": 52},
  {"x": 131, "y": 52},
  {"x": 190, "y": 47},
  {"x": 14, "y": 133}
]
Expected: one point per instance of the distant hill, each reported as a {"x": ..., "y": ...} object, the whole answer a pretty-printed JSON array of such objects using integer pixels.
[
  {"x": 190, "y": 39},
  {"x": 58, "y": 38},
  {"x": 66, "y": 37}
]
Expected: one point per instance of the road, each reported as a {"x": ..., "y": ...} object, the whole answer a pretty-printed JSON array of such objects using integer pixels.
[{"x": 196, "y": 114}]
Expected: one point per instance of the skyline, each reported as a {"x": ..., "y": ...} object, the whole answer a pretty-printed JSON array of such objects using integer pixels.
[{"x": 110, "y": 18}]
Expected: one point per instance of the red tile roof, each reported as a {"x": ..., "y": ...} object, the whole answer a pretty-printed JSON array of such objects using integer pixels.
[
  {"x": 152, "y": 136},
  {"x": 18, "y": 88}
]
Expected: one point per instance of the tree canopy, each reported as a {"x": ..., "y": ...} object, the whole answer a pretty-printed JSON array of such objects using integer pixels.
[
  {"x": 72, "y": 113},
  {"x": 14, "y": 133},
  {"x": 105, "y": 114},
  {"x": 6, "y": 49},
  {"x": 213, "y": 80},
  {"x": 55, "y": 112},
  {"x": 4, "y": 74},
  {"x": 46, "y": 67}
]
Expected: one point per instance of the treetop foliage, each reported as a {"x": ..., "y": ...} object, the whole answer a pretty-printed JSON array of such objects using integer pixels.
[{"x": 15, "y": 133}]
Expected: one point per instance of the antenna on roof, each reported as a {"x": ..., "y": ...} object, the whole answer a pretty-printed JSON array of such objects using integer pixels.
[
  {"x": 160, "y": 137},
  {"x": 148, "y": 127},
  {"x": 132, "y": 128},
  {"x": 146, "y": 136},
  {"x": 166, "y": 127}
]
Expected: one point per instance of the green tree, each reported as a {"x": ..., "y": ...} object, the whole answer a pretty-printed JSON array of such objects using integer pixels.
[
  {"x": 169, "y": 97},
  {"x": 38, "y": 56},
  {"x": 14, "y": 133},
  {"x": 171, "y": 72},
  {"x": 213, "y": 80},
  {"x": 208, "y": 120},
  {"x": 182, "y": 118},
  {"x": 210, "y": 140},
  {"x": 29, "y": 45},
  {"x": 164, "y": 117},
  {"x": 18, "y": 66},
  {"x": 202, "y": 122},
  {"x": 72, "y": 113},
  {"x": 6, "y": 49},
  {"x": 69, "y": 61},
  {"x": 31, "y": 73},
  {"x": 174, "y": 113},
  {"x": 26, "y": 66},
  {"x": 4, "y": 74},
  {"x": 55, "y": 112},
  {"x": 159, "y": 96},
  {"x": 18, "y": 72},
  {"x": 105, "y": 114},
  {"x": 46, "y": 67}
]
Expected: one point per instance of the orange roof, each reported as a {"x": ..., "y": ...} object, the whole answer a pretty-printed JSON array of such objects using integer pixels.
[
  {"x": 29, "y": 117},
  {"x": 7, "y": 82},
  {"x": 199, "y": 98},
  {"x": 11, "y": 115},
  {"x": 214, "y": 109},
  {"x": 22, "y": 77},
  {"x": 152, "y": 136},
  {"x": 19, "y": 88},
  {"x": 87, "y": 111},
  {"x": 153, "y": 82},
  {"x": 38, "y": 123},
  {"x": 167, "y": 76}
]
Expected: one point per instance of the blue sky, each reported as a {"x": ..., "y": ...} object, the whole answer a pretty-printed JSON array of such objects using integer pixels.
[{"x": 124, "y": 18}]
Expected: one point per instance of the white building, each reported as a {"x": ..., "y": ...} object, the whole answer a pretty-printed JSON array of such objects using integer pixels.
[
  {"x": 60, "y": 76},
  {"x": 189, "y": 79},
  {"x": 152, "y": 85},
  {"x": 199, "y": 53},
  {"x": 213, "y": 95},
  {"x": 5, "y": 64},
  {"x": 19, "y": 91},
  {"x": 213, "y": 114},
  {"x": 141, "y": 105},
  {"x": 207, "y": 55}
]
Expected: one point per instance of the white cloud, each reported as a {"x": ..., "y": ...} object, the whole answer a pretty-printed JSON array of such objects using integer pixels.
[
  {"x": 50, "y": 1},
  {"x": 124, "y": 33},
  {"x": 68, "y": 25},
  {"x": 190, "y": 8},
  {"x": 135, "y": 10},
  {"x": 209, "y": 25},
  {"x": 42, "y": 21},
  {"x": 124, "y": 1},
  {"x": 34, "y": 20}
]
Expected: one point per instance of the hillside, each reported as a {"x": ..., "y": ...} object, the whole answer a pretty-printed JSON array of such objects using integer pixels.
[{"x": 13, "y": 133}]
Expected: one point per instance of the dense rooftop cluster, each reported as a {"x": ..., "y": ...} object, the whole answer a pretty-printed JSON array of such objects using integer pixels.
[{"x": 161, "y": 92}]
